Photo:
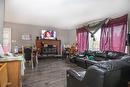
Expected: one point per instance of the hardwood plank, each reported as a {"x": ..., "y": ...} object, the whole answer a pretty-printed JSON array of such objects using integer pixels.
[{"x": 50, "y": 72}]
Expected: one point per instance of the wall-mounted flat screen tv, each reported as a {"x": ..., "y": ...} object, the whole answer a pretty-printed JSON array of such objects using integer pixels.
[{"x": 48, "y": 34}]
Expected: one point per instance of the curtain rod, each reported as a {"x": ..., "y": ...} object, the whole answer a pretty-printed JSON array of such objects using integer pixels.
[{"x": 93, "y": 22}]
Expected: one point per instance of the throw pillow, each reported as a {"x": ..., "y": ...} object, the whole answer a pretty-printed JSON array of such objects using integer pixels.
[{"x": 91, "y": 57}]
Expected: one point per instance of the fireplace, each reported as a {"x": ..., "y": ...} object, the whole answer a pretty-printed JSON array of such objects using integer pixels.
[{"x": 51, "y": 47}]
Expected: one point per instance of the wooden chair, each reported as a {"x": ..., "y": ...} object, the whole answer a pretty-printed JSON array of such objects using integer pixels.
[
  {"x": 35, "y": 54},
  {"x": 31, "y": 56},
  {"x": 28, "y": 55}
]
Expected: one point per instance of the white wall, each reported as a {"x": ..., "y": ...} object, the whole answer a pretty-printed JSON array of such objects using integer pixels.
[
  {"x": 72, "y": 36},
  {"x": 19, "y": 29},
  {"x": 2, "y": 3},
  {"x": 66, "y": 36}
]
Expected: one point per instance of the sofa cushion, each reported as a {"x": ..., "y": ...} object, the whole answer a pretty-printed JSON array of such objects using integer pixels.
[
  {"x": 91, "y": 57},
  {"x": 114, "y": 54},
  {"x": 90, "y": 53},
  {"x": 111, "y": 65},
  {"x": 100, "y": 54},
  {"x": 126, "y": 59},
  {"x": 83, "y": 54}
]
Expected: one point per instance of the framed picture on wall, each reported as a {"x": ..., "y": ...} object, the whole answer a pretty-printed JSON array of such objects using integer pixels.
[{"x": 26, "y": 37}]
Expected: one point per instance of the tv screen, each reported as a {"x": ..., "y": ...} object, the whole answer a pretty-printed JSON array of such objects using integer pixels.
[{"x": 48, "y": 34}]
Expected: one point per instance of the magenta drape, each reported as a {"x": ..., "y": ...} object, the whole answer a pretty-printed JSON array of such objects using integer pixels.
[
  {"x": 113, "y": 35},
  {"x": 82, "y": 39}
]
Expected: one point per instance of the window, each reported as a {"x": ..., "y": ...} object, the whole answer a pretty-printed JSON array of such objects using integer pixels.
[
  {"x": 7, "y": 40},
  {"x": 95, "y": 45}
]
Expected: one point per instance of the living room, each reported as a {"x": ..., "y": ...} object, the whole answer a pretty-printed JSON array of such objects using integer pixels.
[{"x": 22, "y": 21}]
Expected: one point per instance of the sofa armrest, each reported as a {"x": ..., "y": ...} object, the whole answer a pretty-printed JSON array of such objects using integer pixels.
[
  {"x": 79, "y": 75},
  {"x": 81, "y": 55}
]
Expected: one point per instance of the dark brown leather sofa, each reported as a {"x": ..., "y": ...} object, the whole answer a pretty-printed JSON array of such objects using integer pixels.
[
  {"x": 81, "y": 57},
  {"x": 98, "y": 57},
  {"x": 104, "y": 74}
]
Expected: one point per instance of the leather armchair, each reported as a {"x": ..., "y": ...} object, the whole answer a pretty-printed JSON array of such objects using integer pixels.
[
  {"x": 104, "y": 74},
  {"x": 126, "y": 70}
]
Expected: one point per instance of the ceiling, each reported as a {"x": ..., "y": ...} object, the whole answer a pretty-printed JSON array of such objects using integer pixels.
[{"x": 63, "y": 14}]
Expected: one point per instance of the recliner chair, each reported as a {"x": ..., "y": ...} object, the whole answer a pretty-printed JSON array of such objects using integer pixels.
[{"x": 104, "y": 74}]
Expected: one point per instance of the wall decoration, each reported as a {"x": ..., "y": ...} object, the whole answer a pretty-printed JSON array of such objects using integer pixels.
[{"x": 26, "y": 37}]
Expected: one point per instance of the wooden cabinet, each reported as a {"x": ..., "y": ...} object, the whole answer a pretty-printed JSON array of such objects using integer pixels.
[
  {"x": 13, "y": 73},
  {"x": 3, "y": 75}
]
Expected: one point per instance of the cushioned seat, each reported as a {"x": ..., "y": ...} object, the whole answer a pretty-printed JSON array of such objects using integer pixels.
[
  {"x": 98, "y": 56},
  {"x": 114, "y": 55},
  {"x": 103, "y": 74},
  {"x": 80, "y": 60}
]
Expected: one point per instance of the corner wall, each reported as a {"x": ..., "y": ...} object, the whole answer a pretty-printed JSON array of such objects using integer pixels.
[
  {"x": 2, "y": 5},
  {"x": 72, "y": 36}
]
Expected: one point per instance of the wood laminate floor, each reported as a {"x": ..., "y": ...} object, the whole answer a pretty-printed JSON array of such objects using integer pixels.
[{"x": 50, "y": 72}]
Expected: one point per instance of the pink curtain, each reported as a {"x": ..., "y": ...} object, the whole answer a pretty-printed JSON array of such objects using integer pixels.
[
  {"x": 82, "y": 39},
  {"x": 113, "y": 35}
]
